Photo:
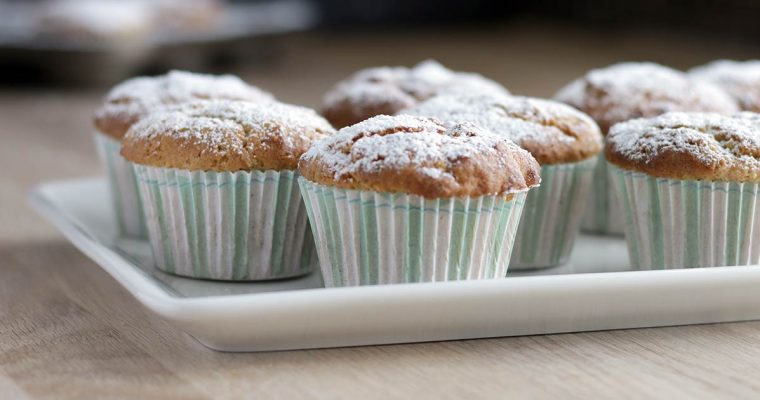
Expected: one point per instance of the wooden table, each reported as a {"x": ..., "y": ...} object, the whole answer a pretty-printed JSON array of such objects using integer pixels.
[{"x": 68, "y": 330}]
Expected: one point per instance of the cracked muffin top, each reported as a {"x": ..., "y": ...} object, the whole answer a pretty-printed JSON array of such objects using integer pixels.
[
  {"x": 634, "y": 90},
  {"x": 388, "y": 90},
  {"x": 135, "y": 98},
  {"x": 693, "y": 146},
  {"x": 420, "y": 156},
  {"x": 224, "y": 135},
  {"x": 551, "y": 131},
  {"x": 740, "y": 79}
]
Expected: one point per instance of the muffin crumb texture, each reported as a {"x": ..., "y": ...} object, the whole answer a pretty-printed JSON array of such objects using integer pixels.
[
  {"x": 223, "y": 135},
  {"x": 388, "y": 90},
  {"x": 135, "y": 98},
  {"x": 420, "y": 156},
  {"x": 551, "y": 131},
  {"x": 633, "y": 90},
  {"x": 740, "y": 79},
  {"x": 694, "y": 146}
]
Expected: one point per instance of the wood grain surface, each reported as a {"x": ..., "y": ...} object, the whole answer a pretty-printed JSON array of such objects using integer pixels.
[{"x": 68, "y": 330}]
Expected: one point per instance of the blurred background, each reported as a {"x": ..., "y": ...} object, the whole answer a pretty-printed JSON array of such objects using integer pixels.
[{"x": 298, "y": 48}]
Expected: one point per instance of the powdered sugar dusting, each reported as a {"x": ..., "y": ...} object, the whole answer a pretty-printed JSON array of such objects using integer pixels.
[
  {"x": 407, "y": 86},
  {"x": 715, "y": 140},
  {"x": 741, "y": 79},
  {"x": 224, "y": 126},
  {"x": 137, "y": 97},
  {"x": 521, "y": 119},
  {"x": 629, "y": 90},
  {"x": 385, "y": 123},
  {"x": 399, "y": 142}
]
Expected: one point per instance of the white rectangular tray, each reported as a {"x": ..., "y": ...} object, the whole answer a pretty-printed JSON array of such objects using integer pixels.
[{"x": 593, "y": 292}]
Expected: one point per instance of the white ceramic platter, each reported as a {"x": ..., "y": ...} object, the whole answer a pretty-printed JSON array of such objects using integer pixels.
[{"x": 593, "y": 292}]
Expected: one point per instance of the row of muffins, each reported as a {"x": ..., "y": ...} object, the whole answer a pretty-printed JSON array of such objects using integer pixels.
[
  {"x": 390, "y": 199},
  {"x": 610, "y": 95}
]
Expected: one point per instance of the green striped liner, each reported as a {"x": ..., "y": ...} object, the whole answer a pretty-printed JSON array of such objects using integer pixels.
[
  {"x": 552, "y": 215},
  {"x": 128, "y": 211},
  {"x": 603, "y": 214},
  {"x": 369, "y": 238},
  {"x": 226, "y": 225},
  {"x": 673, "y": 223}
]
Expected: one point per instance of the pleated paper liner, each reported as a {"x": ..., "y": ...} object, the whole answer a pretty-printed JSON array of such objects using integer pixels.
[
  {"x": 552, "y": 215},
  {"x": 603, "y": 214},
  {"x": 226, "y": 225},
  {"x": 130, "y": 218},
  {"x": 368, "y": 238},
  {"x": 674, "y": 223}
]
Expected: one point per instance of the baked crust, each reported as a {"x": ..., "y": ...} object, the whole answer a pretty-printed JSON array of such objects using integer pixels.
[
  {"x": 634, "y": 90},
  {"x": 740, "y": 79},
  {"x": 420, "y": 156},
  {"x": 224, "y": 135},
  {"x": 388, "y": 90},
  {"x": 691, "y": 146},
  {"x": 552, "y": 132},
  {"x": 135, "y": 98}
]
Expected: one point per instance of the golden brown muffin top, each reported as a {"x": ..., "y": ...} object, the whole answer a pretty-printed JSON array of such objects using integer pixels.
[
  {"x": 420, "y": 156},
  {"x": 388, "y": 90},
  {"x": 693, "y": 146},
  {"x": 224, "y": 135},
  {"x": 133, "y": 99},
  {"x": 633, "y": 90},
  {"x": 740, "y": 79},
  {"x": 551, "y": 131}
]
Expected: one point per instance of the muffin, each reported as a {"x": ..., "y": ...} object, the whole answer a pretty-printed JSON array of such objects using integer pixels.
[
  {"x": 740, "y": 79},
  {"x": 688, "y": 183},
  {"x": 398, "y": 199},
  {"x": 219, "y": 189},
  {"x": 564, "y": 141},
  {"x": 388, "y": 90},
  {"x": 135, "y": 98},
  {"x": 632, "y": 90}
]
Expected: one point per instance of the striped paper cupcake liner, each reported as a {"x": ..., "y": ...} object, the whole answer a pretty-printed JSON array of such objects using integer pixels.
[
  {"x": 226, "y": 225},
  {"x": 674, "y": 223},
  {"x": 552, "y": 215},
  {"x": 125, "y": 197},
  {"x": 369, "y": 238},
  {"x": 603, "y": 214}
]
